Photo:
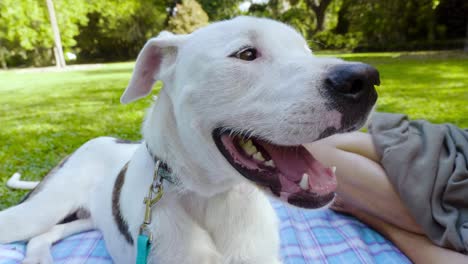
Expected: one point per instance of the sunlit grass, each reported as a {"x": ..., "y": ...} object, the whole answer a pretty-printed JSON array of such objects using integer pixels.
[
  {"x": 46, "y": 115},
  {"x": 430, "y": 85}
]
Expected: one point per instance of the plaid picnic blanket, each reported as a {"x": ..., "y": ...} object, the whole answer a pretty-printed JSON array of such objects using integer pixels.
[{"x": 306, "y": 237}]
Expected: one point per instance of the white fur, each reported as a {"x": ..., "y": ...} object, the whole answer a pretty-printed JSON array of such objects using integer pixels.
[
  {"x": 215, "y": 216},
  {"x": 38, "y": 249},
  {"x": 15, "y": 182}
]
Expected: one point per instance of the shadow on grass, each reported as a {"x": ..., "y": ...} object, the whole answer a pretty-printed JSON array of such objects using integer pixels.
[{"x": 108, "y": 71}]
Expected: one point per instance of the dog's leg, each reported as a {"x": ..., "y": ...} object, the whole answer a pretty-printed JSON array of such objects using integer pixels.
[
  {"x": 36, "y": 215},
  {"x": 180, "y": 240},
  {"x": 38, "y": 249},
  {"x": 244, "y": 226},
  {"x": 64, "y": 190}
]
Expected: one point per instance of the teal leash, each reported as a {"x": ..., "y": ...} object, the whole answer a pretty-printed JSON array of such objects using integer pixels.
[
  {"x": 143, "y": 248},
  {"x": 155, "y": 193}
]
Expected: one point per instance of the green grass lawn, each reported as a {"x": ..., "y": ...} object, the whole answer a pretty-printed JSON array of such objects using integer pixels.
[{"x": 47, "y": 115}]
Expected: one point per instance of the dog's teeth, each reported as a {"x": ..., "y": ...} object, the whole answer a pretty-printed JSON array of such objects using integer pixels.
[
  {"x": 258, "y": 156},
  {"x": 304, "y": 184},
  {"x": 249, "y": 143},
  {"x": 251, "y": 150},
  {"x": 333, "y": 169},
  {"x": 242, "y": 142},
  {"x": 270, "y": 163},
  {"x": 248, "y": 147}
]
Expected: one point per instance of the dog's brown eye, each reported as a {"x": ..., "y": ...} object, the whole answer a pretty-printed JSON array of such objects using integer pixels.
[{"x": 248, "y": 54}]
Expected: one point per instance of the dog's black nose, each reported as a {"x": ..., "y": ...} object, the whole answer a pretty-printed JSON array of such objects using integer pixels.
[{"x": 352, "y": 80}]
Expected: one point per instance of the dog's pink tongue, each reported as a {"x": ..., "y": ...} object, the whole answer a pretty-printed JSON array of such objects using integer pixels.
[{"x": 293, "y": 162}]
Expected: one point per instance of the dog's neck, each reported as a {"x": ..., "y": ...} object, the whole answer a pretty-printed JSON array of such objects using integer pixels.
[
  {"x": 160, "y": 134},
  {"x": 159, "y": 122}
]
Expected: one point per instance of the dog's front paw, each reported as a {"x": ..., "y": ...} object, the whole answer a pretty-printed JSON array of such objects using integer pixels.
[
  {"x": 207, "y": 256},
  {"x": 246, "y": 260},
  {"x": 40, "y": 258},
  {"x": 38, "y": 252},
  {"x": 275, "y": 261},
  {"x": 213, "y": 259}
]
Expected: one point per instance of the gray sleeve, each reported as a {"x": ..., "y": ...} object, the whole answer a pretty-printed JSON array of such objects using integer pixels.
[{"x": 427, "y": 165}]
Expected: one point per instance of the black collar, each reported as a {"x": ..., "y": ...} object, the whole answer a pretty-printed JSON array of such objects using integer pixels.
[{"x": 164, "y": 171}]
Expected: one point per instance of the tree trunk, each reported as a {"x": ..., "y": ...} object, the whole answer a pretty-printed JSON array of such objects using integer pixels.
[
  {"x": 59, "y": 58},
  {"x": 320, "y": 21},
  {"x": 319, "y": 8},
  {"x": 466, "y": 39},
  {"x": 342, "y": 26},
  {"x": 2, "y": 59},
  {"x": 171, "y": 11}
]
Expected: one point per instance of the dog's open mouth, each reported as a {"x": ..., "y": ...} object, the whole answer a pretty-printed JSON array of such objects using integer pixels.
[{"x": 289, "y": 172}]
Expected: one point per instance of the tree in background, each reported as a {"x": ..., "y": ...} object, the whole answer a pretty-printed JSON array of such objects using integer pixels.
[
  {"x": 114, "y": 30},
  {"x": 221, "y": 9},
  {"x": 96, "y": 30},
  {"x": 118, "y": 29},
  {"x": 466, "y": 39},
  {"x": 319, "y": 7},
  {"x": 384, "y": 23},
  {"x": 312, "y": 18},
  {"x": 404, "y": 24},
  {"x": 25, "y": 33},
  {"x": 58, "y": 49},
  {"x": 336, "y": 34},
  {"x": 188, "y": 16},
  {"x": 452, "y": 21}
]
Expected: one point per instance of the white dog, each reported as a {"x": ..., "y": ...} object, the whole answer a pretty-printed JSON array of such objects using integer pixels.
[{"x": 239, "y": 99}]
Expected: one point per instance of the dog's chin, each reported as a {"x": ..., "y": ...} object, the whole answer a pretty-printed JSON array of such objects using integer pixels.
[{"x": 289, "y": 173}]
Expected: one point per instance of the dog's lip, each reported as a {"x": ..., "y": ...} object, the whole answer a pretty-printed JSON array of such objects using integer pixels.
[{"x": 284, "y": 180}]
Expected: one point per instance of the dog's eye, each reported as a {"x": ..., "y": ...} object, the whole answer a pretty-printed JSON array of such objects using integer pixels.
[{"x": 247, "y": 54}]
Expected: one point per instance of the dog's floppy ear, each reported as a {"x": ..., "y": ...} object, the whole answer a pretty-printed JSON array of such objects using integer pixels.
[{"x": 148, "y": 64}]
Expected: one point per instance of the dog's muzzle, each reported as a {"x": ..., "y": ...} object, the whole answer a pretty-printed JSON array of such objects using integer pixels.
[{"x": 349, "y": 88}]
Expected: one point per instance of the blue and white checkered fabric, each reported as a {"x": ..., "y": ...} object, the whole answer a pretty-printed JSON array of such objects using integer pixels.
[
  {"x": 328, "y": 237},
  {"x": 306, "y": 237}
]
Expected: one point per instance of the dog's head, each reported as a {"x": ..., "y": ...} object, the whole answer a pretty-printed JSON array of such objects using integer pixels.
[{"x": 245, "y": 94}]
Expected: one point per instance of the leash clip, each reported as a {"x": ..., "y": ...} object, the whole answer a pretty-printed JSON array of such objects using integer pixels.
[{"x": 155, "y": 194}]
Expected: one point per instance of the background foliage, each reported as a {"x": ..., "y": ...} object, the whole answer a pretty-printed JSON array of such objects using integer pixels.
[
  {"x": 25, "y": 32},
  {"x": 115, "y": 30},
  {"x": 189, "y": 16}
]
